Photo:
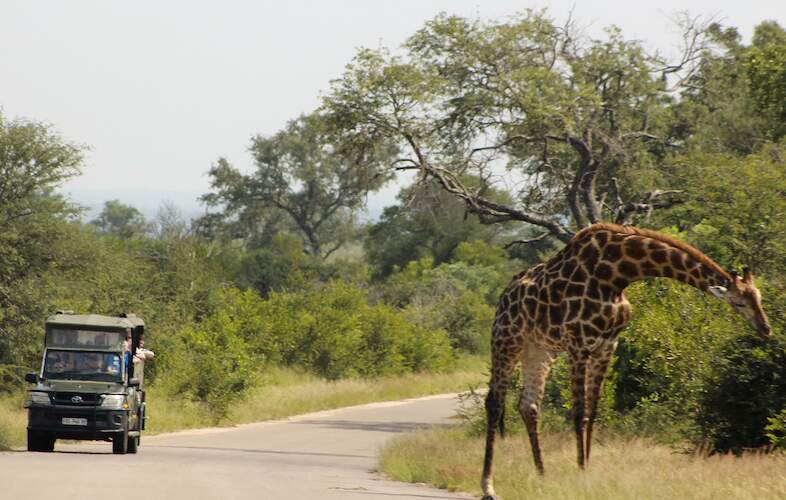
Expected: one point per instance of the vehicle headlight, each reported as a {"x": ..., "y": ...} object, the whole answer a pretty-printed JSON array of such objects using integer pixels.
[
  {"x": 114, "y": 402},
  {"x": 40, "y": 398}
]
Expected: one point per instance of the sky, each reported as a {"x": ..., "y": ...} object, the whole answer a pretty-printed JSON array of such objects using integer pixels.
[{"x": 159, "y": 90}]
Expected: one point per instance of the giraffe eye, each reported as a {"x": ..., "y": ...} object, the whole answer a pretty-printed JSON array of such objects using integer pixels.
[{"x": 737, "y": 304}]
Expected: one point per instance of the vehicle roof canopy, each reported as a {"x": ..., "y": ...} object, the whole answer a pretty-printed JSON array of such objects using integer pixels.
[{"x": 95, "y": 320}]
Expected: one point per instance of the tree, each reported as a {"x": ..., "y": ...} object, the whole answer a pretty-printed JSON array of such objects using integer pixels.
[
  {"x": 739, "y": 223},
  {"x": 427, "y": 222},
  {"x": 732, "y": 103},
  {"x": 282, "y": 266},
  {"x": 34, "y": 159},
  {"x": 120, "y": 220},
  {"x": 302, "y": 176},
  {"x": 766, "y": 68},
  {"x": 582, "y": 123}
]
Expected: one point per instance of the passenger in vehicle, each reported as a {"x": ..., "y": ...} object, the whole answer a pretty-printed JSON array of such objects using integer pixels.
[{"x": 143, "y": 354}]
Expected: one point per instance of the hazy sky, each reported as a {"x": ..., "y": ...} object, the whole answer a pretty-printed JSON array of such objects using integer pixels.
[{"x": 160, "y": 89}]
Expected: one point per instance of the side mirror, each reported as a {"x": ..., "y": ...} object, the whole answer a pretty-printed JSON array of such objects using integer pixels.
[
  {"x": 31, "y": 377},
  {"x": 134, "y": 382}
]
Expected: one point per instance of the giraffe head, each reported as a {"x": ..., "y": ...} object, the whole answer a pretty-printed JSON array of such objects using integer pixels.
[{"x": 744, "y": 297}]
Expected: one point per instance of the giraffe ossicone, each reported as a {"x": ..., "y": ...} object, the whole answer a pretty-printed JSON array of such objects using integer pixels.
[{"x": 574, "y": 303}]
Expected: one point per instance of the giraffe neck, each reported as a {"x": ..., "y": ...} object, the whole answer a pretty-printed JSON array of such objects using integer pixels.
[{"x": 619, "y": 259}]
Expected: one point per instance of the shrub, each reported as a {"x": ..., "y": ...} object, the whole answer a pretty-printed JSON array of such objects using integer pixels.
[
  {"x": 776, "y": 430},
  {"x": 334, "y": 331},
  {"x": 209, "y": 364},
  {"x": 745, "y": 394}
]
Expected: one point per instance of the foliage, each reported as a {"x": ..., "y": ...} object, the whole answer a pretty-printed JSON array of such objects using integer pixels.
[
  {"x": 330, "y": 330},
  {"x": 776, "y": 430},
  {"x": 739, "y": 223},
  {"x": 34, "y": 160},
  {"x": 732, "y": 103},
  {"x": 457, "y": 297},
  {"x": 582, "y": 122},
  {"x": 333, "y": 331},
  {"x": 209, "y": 364},
  {"x": 301, "y": 175},
  {"x": 280, "y": 266},
  {"x": 746, "y": 389},
  {"x": 427, "y": 222},
  {"x": 767, "y": 74},
  {"x": 123, "y": 221}
]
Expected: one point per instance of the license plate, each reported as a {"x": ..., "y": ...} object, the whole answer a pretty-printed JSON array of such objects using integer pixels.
[{"x": 74, "y": 421}]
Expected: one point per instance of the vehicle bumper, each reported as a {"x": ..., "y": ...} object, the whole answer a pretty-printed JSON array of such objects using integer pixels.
[{"x": 101, "y": 424}]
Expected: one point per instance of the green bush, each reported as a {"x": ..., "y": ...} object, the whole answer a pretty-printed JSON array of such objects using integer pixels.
[
  {"x": 458, "y": 297},
  {"x": 333, "y": 330},
  {"x": 745, "y": 395},
  {"x": 330, "y": 329},
  {"x": 211, "y": 365},
  {"x": 776, "y": 430},
  {"x": 666, "y": 354}
]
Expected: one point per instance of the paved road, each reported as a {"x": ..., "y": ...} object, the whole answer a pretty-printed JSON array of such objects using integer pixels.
[{"x": 327, "y": 455}]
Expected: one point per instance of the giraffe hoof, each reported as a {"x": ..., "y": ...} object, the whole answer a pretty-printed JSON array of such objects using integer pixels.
[{"x": 489, "y": 497}]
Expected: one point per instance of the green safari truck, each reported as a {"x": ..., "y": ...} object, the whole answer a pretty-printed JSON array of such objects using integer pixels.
[{"x": 89, "y": 386}]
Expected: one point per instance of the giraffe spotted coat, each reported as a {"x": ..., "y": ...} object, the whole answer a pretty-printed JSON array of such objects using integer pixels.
[{"x": 575, "y": 304}]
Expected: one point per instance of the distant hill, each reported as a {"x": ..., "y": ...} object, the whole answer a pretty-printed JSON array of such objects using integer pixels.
[{"x": 149, "y": 201}]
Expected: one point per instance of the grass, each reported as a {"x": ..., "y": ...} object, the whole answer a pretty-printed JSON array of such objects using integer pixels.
[
  {"x": 13, "y": 420},
  {"x": 619, "y": 469},
  {"x": 282, "y": 392}
]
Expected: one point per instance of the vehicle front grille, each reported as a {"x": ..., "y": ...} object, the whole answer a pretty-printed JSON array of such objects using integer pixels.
[{"x": 75, "y": 398}]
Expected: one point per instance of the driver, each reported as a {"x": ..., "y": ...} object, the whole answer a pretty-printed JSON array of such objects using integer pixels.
[
  {"x": 56, "y": 363},
  {"x": 91, "y": 361}
]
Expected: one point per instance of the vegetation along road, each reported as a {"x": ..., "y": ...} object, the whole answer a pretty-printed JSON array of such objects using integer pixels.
[{"x": 326, "y": 455}]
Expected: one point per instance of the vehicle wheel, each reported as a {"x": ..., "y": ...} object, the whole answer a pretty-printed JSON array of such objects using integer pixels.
[
  {"x": 133, "y": 444},
  {"x": 120, "y": 443},
  {"x": 39, "y": 441}
]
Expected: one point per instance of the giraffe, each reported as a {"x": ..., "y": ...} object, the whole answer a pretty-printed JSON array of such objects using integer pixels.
[{"x": 574, "y": 303}]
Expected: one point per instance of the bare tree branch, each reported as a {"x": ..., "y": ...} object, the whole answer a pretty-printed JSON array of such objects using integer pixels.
[
  {"x": 527, "y": 241},
  {"x": 650, "y": 201}
]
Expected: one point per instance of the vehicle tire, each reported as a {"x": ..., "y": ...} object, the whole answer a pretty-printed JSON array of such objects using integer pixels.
[
  {"x": 39, "y": 441},
  {"x": 133, "y": 444},
  {"x": 120, "y": 443},
  {"x": 48, "y": 444}
]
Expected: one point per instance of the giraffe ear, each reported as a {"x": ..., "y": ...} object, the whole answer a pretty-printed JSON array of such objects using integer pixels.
[{"x": 718, "y": 291}]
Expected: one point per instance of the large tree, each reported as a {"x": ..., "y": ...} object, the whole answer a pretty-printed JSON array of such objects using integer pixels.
[
  {"x": 734, "y": 101},
  {"x": 34, "y": 160},
  {"x": 582, "y": 124},
  {"x": 301, "y": 176}
]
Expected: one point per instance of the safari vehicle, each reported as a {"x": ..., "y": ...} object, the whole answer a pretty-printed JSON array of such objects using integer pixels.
[{"x": 88, "y": 387}]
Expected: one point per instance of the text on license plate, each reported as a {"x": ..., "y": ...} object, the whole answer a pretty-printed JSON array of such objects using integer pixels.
[{"x": 74, "y": 421}]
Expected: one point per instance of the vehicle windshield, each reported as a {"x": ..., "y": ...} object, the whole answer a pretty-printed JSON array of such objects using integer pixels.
[{"x": 82, "y": 365}]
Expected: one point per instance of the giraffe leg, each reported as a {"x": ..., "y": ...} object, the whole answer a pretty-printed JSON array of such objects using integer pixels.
[
  {"x": 495, "y": 413},
  {"x": 596, "y": 372},
  {"x": 578, "y": 386},
  {"x": 535, "y": 366}
]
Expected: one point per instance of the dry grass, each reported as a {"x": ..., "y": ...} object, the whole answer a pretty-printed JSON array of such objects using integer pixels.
[
  {"x": 618, "y": 469},
  {"x": 13, "y": 421},
  {"x": 292, "y": 393}
]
